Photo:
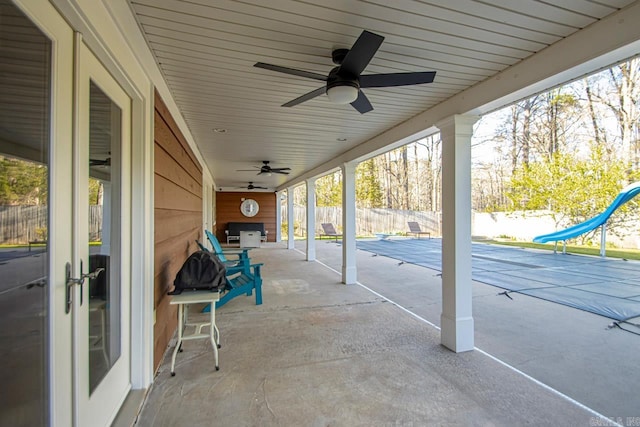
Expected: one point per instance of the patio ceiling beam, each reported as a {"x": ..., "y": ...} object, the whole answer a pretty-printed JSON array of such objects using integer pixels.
[{"x": 20, "y": 151}]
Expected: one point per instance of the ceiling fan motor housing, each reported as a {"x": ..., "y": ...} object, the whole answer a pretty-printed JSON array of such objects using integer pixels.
[
  {"x": 343, "y": 79},
  {"x": 337, "y": 56}
]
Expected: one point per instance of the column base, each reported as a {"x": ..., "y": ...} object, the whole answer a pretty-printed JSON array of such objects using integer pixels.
[
  {"x": 457, "y": 334},
  {"x": 349, "y": 275},
  {"x": 311, "y": 254}
]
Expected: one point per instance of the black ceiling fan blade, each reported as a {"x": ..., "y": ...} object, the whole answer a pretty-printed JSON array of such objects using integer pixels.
[
  {"x": 361, "y": 53},
  {"x": 291, "y": 71},
  {"x": 397, "y": 79},
  {"x": 270, "y": 171},
  {"x": 306, "y": 97},
  {"x": 362, "y": 103},
  {"x": 276, "y": 170},
  {"x": 100, "y": 162},
  {"x": 252, "y": 187}
]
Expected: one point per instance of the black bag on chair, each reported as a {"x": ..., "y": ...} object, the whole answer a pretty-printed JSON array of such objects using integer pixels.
[{"x": 202, "y": 271}]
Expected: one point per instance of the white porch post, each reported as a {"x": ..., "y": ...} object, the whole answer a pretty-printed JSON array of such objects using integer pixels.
[
  {"x": 290, "y": 219},
  {"x": 349, "y": 271},
  {"x": 278, "y": 216},
  {"x": 105, "y": 247},
  {"x": 311, "y": 220},
  {"x": 456, "y": 319}
]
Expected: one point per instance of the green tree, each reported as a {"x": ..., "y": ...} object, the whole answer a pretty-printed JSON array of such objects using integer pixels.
[
  {"x": 329, "y": 190},
  {"x": 368, "y": 188},
  {"x": 573, "y": 189},
  {"x": 95, "y": 191},
  {"x": 560, "y": 116},
  {"x": 22, "y": 182}
]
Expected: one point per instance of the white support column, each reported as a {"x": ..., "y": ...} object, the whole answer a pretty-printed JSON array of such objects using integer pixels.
[
  {"x": 290, "y": 219},
  {"x": 349, "y": 271},
  {"x": 456, "y": 320},
  {"x": 311, "y": 220},
  {"x": 278, "y": 216},
  {"x": 105, "y": 247}
]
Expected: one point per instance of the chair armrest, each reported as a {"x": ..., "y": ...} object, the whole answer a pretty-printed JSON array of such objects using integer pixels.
[
  {"x": 233, "y": 251},
  {"x": 247, "y": 269},
  {"x": 231, "y": 264},
  {"x": 234, "y": 275},
  {"x": 226, "y": 232}
]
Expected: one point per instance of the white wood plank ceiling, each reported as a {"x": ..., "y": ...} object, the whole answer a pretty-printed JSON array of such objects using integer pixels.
[
  {"x": 24, "y": 83},
  {"x": 206, "y": 50}
]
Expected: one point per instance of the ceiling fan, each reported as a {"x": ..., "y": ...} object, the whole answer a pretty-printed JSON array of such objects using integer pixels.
[
  {"x": 254, "y": 187},
  {"x": 100, "y": 162},
  {"x": 266, "y": 169},
  {"x": 344, "y": 82}
]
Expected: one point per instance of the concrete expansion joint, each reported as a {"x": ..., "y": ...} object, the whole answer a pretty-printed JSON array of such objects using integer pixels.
[
  {"x": 346, "y": 304},
  {"x": 324, "y": 361},
  {"x": 221, "y": 314}
]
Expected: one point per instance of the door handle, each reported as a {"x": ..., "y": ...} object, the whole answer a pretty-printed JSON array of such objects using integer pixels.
[{"x": 70, "y": 281}]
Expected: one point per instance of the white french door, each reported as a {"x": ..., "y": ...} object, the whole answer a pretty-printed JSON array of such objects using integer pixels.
[
  {"x": 65, "y": 138},
  {"x": 101, "y": 194}
]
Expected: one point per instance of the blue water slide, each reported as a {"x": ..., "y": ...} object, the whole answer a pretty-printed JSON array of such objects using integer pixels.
[{"x": 626, "y": 194}]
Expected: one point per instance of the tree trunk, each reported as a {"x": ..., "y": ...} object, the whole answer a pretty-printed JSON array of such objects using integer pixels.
[
  {"x": 404, "y": 176},
  {"x": 592, "y": 112},
  {"x": 526, "y": 130}
]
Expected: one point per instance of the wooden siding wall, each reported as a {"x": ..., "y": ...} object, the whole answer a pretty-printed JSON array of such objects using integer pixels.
[
  {"x": 228, "y": 210},
  {"x": 178, "y": 218}
]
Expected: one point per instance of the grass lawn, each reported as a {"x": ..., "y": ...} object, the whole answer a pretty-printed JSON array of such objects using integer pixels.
[{"x": 633, "y": 254}]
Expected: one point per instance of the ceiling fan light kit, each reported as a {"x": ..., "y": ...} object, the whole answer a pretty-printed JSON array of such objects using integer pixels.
[
  {"x": 342, "y": 94},
  {"x": 344, "y": 82}
]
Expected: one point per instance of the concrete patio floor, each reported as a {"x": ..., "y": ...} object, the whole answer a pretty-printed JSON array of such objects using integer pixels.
[{"x": 319, "y": 353}]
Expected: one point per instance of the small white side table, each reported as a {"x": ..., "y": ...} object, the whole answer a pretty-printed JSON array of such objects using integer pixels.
[
  {"x": 249, "y": 239},
  {"x": 183, "y": 300}
]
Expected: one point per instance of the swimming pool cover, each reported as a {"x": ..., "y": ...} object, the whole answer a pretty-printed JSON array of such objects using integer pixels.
[{"x": 605, "y": 286}]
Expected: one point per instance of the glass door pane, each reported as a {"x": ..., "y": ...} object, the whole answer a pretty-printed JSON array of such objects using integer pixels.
[
  {"x": 25, "y": 73},
  {"x": 105, "y": 121}
]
